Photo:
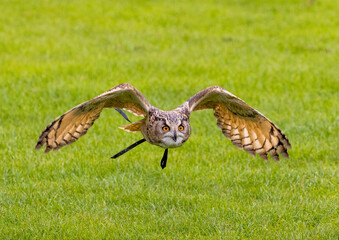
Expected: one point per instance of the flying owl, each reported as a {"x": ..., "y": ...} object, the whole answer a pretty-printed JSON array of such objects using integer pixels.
[{"x": 246, "y": 127}]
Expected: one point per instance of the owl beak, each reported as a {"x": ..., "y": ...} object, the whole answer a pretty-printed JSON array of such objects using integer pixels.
[{"x": 175, "y": 136}]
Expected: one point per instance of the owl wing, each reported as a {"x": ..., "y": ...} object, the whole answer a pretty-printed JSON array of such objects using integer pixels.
[
  {"x": 73, "y": 124},
  {"x": 246, "y": 127}
]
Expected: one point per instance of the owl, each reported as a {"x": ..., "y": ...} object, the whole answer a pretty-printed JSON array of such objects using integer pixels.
[{"x": 246, "y": 127}]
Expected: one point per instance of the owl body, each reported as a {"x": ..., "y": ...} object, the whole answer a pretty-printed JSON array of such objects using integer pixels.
[{"x": 167, "y": 129}]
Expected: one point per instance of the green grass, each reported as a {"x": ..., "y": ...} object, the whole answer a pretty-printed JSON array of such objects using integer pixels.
[{"x": 279, "y": 56}]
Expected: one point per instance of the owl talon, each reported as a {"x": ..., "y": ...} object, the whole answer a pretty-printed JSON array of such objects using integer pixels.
[{"x": 164, "y": 159}]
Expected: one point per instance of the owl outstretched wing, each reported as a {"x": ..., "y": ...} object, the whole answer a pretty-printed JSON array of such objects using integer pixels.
[
  {"x": 73, "y": 124},
  {"x": 246, "y": 127}
]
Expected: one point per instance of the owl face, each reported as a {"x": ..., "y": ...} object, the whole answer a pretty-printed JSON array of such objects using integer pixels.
[{"x": 168, "y": 129}]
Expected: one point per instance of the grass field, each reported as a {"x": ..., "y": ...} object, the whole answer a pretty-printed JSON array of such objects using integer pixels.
[{"x": 281, "y": 57}]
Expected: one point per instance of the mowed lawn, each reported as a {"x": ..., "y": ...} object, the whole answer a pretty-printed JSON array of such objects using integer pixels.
[{"x": 280, "y": 56}]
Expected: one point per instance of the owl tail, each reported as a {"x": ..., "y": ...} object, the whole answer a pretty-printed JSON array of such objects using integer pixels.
[{"x": 134, "y": 127}]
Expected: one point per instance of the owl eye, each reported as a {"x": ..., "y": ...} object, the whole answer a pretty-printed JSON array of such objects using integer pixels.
[
  {"x": 165, "y": 128},
  {"x": 181, "y": 128}
]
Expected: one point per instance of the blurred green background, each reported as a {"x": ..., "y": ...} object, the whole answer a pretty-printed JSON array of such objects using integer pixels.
[{"x": 281, "y": 57}]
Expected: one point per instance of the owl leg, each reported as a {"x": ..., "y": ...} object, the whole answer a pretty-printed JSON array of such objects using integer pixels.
[
  {"x": 129, "y": 148},
  {"x": 164, "y": 159},
  {"x": 122, "y": 114}
]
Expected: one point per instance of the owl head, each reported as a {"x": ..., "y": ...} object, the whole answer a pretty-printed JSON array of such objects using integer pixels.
[{"x": 168, "y": 129}]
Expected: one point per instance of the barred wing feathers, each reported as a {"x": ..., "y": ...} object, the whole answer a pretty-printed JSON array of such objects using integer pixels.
[
  {"x": 246, "y": 127},
  {"x": 70, "y": 126}
]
